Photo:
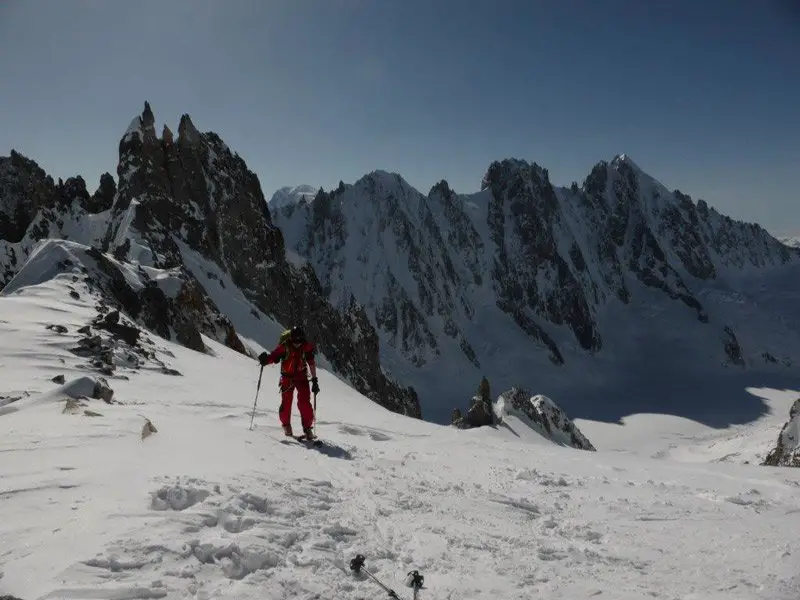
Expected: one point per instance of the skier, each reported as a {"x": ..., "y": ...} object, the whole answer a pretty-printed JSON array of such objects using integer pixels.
[{"x": 296, "y": 356}]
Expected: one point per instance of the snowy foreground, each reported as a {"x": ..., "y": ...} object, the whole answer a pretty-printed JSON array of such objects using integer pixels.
[{"x": 205, "y": 508}]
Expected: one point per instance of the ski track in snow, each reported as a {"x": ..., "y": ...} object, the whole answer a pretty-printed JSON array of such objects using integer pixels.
[{"x": 206, "y": 508}]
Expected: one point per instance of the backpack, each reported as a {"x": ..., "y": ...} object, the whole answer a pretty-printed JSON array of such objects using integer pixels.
[{"x": 284, "y": 337}]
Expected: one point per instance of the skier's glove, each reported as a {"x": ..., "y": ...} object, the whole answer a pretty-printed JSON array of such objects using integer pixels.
[
  {"x": 314, "y": 385},
  {"x": 263, "y": 358}
]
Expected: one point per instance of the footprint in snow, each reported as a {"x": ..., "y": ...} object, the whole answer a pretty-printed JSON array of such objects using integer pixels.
[
  {"x": 751, "y": 498},
  {"x": 541, "y": 478},
  {"x": 551, "y": 554},
  {"x": 373, "y": 434},
  {"x": 177, "y": 497}
]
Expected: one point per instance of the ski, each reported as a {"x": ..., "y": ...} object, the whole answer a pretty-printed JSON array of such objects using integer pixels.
[{"x": 316, "y": 442}]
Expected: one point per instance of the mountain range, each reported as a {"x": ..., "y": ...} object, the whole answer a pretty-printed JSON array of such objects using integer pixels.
[
  {"x": 589, "y": 293},
  {"x": 613, "y": 297}
]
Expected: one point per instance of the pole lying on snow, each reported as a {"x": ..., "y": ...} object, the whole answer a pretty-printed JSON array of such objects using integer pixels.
[
  {"x": 357, "y": 566},
  {"x": 258, "y": 387},
  {"x": 413, "y": 579}
]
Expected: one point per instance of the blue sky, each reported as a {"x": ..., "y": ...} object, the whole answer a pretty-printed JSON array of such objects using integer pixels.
[{"x": 705, "y": 96}]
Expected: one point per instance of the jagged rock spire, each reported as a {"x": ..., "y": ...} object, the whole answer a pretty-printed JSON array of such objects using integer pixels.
[
  {"x": 187, "y": 132},
  {"x": 148, "y": 120}
]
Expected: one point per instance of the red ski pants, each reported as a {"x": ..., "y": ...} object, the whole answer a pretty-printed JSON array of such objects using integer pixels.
[{"x": 288, "y": 386}]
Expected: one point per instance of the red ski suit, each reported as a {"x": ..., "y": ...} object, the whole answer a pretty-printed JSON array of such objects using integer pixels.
[{"x": 295, "y": 360}]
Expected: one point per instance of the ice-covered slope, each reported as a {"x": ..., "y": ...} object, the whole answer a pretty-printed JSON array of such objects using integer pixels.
[
  {"x": 584, "y": 292},
  {"x": 205, "y": 508}
]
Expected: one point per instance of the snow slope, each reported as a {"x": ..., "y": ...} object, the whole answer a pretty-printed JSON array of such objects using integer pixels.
[{"x": 205, "y": 508}]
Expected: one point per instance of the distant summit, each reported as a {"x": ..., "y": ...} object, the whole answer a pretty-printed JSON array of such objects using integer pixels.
[{"x": 287, "y": 196}]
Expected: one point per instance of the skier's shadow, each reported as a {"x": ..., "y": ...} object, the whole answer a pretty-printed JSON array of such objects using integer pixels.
[
  {"x": 328, "y": 449},
  {"x": 335, "y": 451}
]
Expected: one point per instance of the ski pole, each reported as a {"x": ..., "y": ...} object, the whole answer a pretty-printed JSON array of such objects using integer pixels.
[
  {"x": 357, "y": 565},
  {"x": 258, "y": 387},
  {"x": 416, "y": 581}
]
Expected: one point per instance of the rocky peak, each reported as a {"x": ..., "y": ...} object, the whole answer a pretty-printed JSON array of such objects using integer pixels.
[
  {"x": 166, "y": 135},
  {"x": 73, "y": 190},
  {"x": 148, "y": 119},
  {"x": 103, "y": 198},
  {"x": 140, "y": 171},
  {"x": 441, "y": 188},
  {"x": 382, "y": 179},
  {"x": 625, "y": 159},
  {"x": 24, "y": 189},
  {"x": 187, "y": 132}
]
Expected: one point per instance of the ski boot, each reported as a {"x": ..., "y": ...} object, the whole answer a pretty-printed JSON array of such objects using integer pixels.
[{"x": 287, "y": 431}]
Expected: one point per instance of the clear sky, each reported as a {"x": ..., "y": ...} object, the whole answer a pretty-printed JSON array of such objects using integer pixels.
[{"x": 702, "y": 94}]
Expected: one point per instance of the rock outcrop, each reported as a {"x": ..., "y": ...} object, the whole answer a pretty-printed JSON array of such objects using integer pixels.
[
  {"x": 479, "y": 414},
  {"x": 786, "y": 452},
  {"x": 543, "y": 415}
]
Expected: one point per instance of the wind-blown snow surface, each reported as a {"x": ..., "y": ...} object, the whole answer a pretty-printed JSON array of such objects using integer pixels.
[{"x": 205, "y": 508}]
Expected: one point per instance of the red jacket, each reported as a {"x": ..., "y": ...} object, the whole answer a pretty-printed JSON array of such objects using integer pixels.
[{"x": 293, "y": 359}]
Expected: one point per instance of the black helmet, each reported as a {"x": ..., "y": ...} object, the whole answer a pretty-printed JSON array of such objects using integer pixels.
[{"x": 297, "y": 334}]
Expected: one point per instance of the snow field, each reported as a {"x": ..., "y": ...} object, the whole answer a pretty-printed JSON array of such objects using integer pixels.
[{"x": 205, "y": 508}]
